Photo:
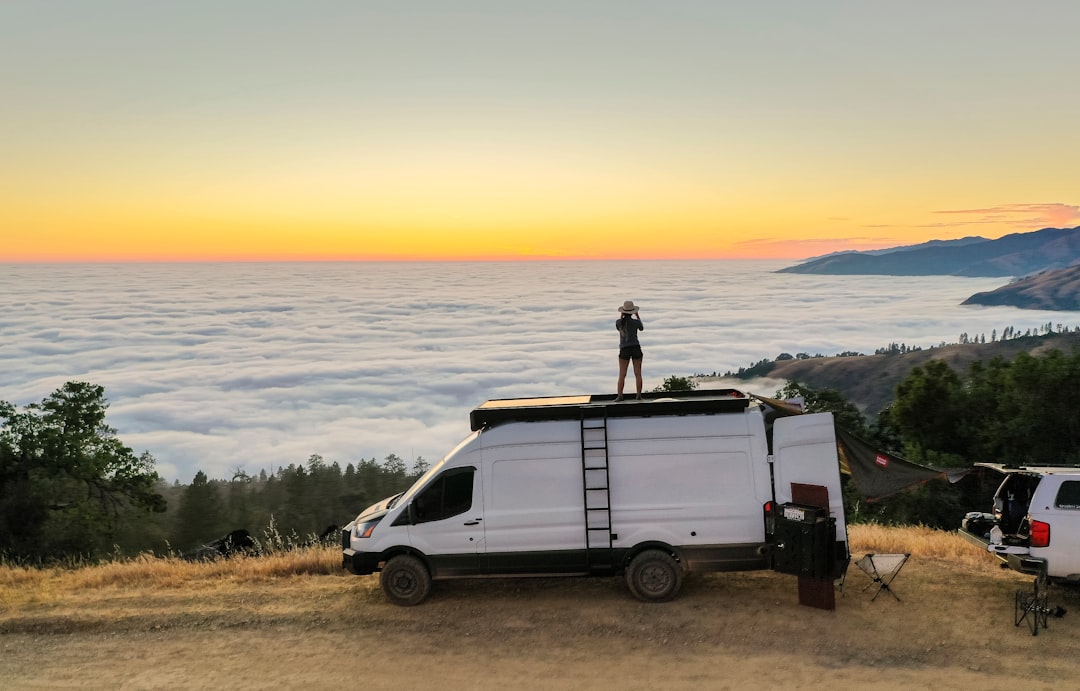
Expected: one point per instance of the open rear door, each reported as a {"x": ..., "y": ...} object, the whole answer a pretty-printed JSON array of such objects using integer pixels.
[
  {"x": 804, "y": 449},
  {"x": 809, "y": 532}
]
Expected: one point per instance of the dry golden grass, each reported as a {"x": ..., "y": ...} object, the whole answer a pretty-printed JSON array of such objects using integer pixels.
[
  {"x": 296, "y": 620},
  {"x": 22, "y": 584},
  {"x": 920, "y": 541}
]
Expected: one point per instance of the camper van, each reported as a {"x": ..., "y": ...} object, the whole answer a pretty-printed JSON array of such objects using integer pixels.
[{"x": 679, "y": 482}]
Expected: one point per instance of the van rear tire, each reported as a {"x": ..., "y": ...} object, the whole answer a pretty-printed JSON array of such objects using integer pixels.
[
  {"x": 654, "y": 576},
  {"x": 405, "y": 580}
]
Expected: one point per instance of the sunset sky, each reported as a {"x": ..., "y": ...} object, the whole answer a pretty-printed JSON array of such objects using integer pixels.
[{"x": 439, "y": 129}]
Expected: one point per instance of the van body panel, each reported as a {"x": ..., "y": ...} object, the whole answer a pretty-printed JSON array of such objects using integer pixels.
[
  {"x": 688, "y": 480},
  {"x": 748, "y": 557},
  {"x": 534, "y": 509}
]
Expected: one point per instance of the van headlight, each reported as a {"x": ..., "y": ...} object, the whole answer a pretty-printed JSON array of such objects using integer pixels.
[{"x": 365, "y": 529}]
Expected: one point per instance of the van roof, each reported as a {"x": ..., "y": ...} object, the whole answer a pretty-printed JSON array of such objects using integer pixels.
[
  {"x": 1032, "y": 469},
  {"x": 702, "y": 401}
]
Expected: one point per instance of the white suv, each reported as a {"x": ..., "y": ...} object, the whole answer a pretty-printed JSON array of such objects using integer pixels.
[{"x": 1035, "y": 525}]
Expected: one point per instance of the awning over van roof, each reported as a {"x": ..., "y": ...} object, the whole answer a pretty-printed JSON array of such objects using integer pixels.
[{"x": 876, "y": 474}]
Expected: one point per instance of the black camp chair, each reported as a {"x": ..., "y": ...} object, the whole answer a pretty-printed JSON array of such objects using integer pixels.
[{"x": 882, "y": 570}]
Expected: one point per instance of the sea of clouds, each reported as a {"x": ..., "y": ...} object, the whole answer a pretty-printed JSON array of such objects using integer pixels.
[{"x": 226, "y": 367}]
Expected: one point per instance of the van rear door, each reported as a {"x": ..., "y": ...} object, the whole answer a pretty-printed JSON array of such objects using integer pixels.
[{"x": 804, "y": 452}]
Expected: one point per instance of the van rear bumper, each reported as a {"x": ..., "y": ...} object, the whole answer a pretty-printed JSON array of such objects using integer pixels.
[{"x": 360, "y": 563}]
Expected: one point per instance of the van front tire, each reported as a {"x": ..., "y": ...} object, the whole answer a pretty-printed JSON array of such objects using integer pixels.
[
  {"x": 405, "y": 580},
  {"x": 654, "y": 576}
]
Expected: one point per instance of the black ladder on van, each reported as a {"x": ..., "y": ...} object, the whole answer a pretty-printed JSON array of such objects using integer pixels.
[{"x": 596, "y": 481}]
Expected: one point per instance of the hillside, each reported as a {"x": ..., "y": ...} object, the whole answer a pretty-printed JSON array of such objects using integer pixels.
[
  {"x": 1049, "y": 290},
  {"x": 1017, "y": 254},
  {"x": 869, "y": 381},
  {"x": 228, "y": 625}
]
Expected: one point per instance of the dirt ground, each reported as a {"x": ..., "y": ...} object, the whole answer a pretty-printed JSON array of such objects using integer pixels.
[{"x": 953, "y": 629}]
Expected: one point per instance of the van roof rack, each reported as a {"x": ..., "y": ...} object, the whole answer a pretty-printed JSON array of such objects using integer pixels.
[{"x": 700, "y": 401}]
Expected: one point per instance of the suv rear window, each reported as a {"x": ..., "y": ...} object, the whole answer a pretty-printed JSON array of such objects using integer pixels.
[{"x": 1068, "y": 496}]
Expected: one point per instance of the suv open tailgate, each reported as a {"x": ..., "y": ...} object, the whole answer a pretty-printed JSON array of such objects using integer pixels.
[{"x": 1018, "y": 557}]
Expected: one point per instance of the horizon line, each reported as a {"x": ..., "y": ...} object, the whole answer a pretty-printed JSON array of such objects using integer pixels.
[{"x": 455, "y": 260}]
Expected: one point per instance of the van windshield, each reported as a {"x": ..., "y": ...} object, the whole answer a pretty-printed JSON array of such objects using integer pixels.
[
  {"x": 420, "y": 482},
  {"x": 432, "y": 471}
]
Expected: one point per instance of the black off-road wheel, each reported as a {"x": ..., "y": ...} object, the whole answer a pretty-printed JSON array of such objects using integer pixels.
[
  {"x": 405, "y": 580},
  {"x": 654, "y": 576}
]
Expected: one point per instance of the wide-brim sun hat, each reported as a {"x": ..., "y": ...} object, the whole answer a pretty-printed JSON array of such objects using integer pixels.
[{"x": 628, "y": 307}]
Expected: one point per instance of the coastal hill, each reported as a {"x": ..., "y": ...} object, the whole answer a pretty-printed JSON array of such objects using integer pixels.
[
  {"x": 869, "y": 381},
  {"x": 1017, "y": 254},
  {"x": 1049, "y": 290}
]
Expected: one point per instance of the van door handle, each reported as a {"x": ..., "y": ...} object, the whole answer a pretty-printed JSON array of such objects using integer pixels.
[{"x": 475, "y": 521}]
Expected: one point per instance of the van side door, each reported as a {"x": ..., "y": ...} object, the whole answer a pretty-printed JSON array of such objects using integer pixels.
[
  {"x": 446, "y": 522},
  {"x": 535, "y": 515}
]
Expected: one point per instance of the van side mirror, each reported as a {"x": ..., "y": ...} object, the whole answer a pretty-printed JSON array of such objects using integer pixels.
[{"x": 406, "y": 517}]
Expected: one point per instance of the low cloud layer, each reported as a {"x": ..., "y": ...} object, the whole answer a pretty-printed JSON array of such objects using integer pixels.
[{"x": 255, "y": 366}]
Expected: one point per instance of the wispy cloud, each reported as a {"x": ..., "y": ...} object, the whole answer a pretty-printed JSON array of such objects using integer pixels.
[{"x": 1023, "y": 216}]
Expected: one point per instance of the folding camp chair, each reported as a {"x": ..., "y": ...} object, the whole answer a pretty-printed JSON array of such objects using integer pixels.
[{"x": 882, "y": 569}]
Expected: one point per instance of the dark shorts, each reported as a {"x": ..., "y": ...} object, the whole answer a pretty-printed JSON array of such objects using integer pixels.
[{"x": 630, "y": 353}]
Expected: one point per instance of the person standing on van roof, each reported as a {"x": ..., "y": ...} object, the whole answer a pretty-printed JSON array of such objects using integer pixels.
[{"x": 628, "y": 324}]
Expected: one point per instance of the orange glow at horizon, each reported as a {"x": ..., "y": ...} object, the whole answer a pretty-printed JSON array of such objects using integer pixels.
[
  {"x": 327, "y": 227},
  {"x": 530, "y": 244},
  {"x": 645, "y": 230}
]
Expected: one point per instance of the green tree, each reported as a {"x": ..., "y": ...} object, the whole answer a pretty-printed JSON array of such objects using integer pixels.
[
  {"x": 1026, "y": 411},
  {"x": 677, "y": 383},
  {"x": 847, "y": 415},
  {"x": 66, "y": 482},
  {"x": 929, "y": 409},
  {"x": 198, "y": 520}
]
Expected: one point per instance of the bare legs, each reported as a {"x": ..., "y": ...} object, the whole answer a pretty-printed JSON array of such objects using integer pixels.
[
  {"x": 623, "y": 366},
  {"x": 637, "y": 375}
]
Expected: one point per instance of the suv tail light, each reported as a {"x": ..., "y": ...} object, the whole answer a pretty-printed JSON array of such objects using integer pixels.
[{"x": 1040, "y": 534}]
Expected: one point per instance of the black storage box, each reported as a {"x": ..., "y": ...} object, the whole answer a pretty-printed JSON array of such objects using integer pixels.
[{"x": 803, "y": 540}]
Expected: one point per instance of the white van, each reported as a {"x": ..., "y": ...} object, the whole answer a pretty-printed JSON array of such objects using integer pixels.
[
  {"x": 1035, "y": 523},
  {"x": 584, "y": 485}
]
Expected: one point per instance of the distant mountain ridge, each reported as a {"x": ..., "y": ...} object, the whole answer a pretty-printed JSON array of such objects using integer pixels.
[
  {"x": 904, "y": 248},
  {"x": 1049, "y": 290},
  {"x": 1017, "y": 254}
]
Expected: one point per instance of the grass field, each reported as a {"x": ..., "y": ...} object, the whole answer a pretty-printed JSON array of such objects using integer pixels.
[{"x": 296, "y": 620}]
